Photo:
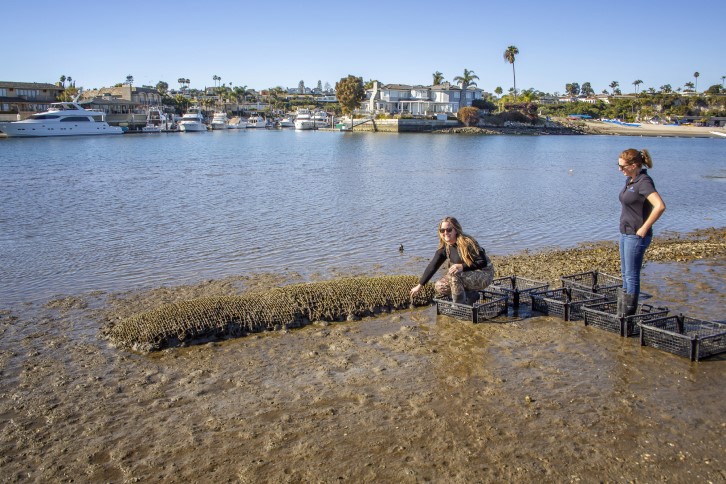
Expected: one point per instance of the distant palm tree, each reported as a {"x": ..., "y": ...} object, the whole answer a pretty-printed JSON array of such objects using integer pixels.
[
  {"x": 130, "y": 80},
  {"x": 438, "y": 78},
  {"x": 614, "y": 85},
  {"x": 509, "y": 56},
  {"x": 466, "y": 80},
  {"x": 722, "y": 79},
  {"x": 696, "y": 75},
  {"x": 63, "y": 81},
  {"x": 636, "y": 84}
]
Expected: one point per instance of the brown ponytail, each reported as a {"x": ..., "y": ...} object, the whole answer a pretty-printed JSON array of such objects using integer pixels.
[{"x": 640, "y": 157}]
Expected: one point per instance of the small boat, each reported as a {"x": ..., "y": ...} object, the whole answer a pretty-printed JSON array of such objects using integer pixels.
[
  {"x": 237, "y": 123},
  {"x": 256, "y": 121},
  {"x": 193, "y": 120},
  {"x": 61, "y": 119},
  {"x": 717, "y": 133},
  {"x": 155, "y": 121},
  {"x": 219, "y": 120},
  {"x": 287, "y": 122}
]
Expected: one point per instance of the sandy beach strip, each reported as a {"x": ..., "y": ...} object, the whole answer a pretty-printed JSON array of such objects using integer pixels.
[{"x": 645, "y": 129}]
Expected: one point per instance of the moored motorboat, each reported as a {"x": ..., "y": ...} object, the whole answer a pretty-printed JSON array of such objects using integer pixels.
[
  {"x": 155, "y": 120},
  {"x": 304, "y": 119},
  {"x": 192, "y": 120},
  {"x": 256, "y": 121},
  {"x": 219, "y": 120},
  {"x": 237, "y": 123},
  {"x": 61, "y": 119},
  {"x": 287, "y": 122}
]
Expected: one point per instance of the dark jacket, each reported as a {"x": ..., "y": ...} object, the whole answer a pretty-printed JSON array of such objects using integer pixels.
[{"x": 480, "y": 262}]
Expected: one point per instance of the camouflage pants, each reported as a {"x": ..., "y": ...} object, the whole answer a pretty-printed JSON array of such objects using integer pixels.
[{"x": 456, "y": 286}]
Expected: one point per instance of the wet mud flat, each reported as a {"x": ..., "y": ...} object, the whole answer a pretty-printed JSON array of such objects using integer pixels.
[{"x": 408, "y": 396}]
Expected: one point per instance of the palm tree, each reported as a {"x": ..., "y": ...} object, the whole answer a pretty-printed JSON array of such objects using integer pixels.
[
  {"x": 215, "y": 78},
  {"x": 509, "y": 56},
  {"x": 130, "y": 80},
  {"x": 722, "y": 79},
  {"x": 63, "y": 81},
  {"x": 438, "y": 78},
  {"x": 636, "y": 84},
  {"x": 696, "y": 75},
  {"x": 614, "y": 85},
  {"x": 466, "y": 80}
]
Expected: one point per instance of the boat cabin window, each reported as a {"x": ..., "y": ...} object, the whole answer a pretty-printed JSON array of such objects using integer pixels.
[
  {"x": 73, "y": 119},
  {"x": 44, "y": 116}
]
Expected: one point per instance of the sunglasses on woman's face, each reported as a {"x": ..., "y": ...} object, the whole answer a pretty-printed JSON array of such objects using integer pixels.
[{"x": 447, "y": 230}]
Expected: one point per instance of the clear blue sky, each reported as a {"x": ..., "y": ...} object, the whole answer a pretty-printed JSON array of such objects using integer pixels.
[{"x": 263, "y": 44}]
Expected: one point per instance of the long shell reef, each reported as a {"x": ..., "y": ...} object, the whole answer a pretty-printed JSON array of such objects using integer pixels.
[{"x": 214, "y": 317}]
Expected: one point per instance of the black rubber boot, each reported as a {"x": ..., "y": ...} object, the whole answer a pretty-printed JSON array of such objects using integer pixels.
[
  {"x": 621, "y": 303},
  {"x": 630, "y": 304},
  {"x": 472, "y": 297},
  {"x": 459, "y": 298}
]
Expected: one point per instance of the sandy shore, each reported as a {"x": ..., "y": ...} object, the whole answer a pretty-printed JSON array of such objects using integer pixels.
[
  {"x": 599, "y": 127},
  {"x": 406, "y": 397}
]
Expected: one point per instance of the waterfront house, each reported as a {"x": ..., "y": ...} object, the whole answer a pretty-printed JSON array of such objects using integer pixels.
[
  {"x": 21, "y": 99},
  {"x": 417, "y": 100},
  {"x": 144, "y": 95}
]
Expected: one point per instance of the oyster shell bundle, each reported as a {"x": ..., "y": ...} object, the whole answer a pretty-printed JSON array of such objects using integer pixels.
[{"x": 211, "y": 318}]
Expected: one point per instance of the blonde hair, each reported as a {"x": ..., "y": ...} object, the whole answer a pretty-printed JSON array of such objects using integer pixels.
[
  {"x": 639, "y": 157},
  {"x": 468, "y": 246}
]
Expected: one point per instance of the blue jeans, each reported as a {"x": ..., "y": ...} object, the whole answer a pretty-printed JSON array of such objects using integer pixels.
[{"x": 632, "y": 250}]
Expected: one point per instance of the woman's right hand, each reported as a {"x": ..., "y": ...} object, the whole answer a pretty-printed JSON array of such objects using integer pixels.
[{"x": 415, "y": 290}]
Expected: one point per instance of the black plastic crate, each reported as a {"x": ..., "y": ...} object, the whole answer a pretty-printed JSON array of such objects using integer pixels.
[
  {"x": 594, "y": 281},
  {"x": 604, "y": 315},
  {"x": 489, "y": 305},
  {"x": 565, "y": 302},
  {"x": 688, "y": 337},
  {"x": 517, "y": 288}
]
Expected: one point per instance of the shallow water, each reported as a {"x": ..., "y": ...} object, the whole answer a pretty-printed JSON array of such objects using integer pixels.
[{"x": 134, "y": 212}]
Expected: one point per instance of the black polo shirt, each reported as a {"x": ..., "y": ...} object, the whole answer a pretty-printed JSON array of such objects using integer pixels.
[{"x": 635, "y": 205}]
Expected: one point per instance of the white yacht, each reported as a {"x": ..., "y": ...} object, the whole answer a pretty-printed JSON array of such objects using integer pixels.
[
  {"x": 193, "y": 120},
  {"x": 321, "y": 119},
  {"x": 219, "y": 120},
  {"x": 256, "y": 121},
  {"x": 155, "y": 121},
  {"x": 304, "y": 119},
  {"x": 61, "y": 119}
]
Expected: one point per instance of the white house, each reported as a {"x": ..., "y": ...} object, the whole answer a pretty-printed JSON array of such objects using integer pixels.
[{"x": 417, "y": 100}]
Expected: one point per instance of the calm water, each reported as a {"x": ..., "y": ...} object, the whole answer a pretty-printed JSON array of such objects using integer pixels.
[{"x": 130, "y": 212}]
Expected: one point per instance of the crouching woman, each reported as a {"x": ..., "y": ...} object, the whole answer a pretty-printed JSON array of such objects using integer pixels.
[{"x": 469, "y": 268}]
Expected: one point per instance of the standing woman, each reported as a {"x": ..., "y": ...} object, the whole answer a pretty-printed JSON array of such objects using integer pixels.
[
  {"x": 469, "y": 267},
  {"x": 641, "y": 207}
]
